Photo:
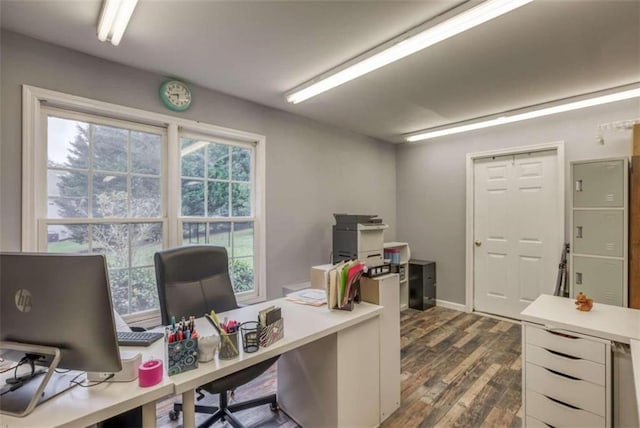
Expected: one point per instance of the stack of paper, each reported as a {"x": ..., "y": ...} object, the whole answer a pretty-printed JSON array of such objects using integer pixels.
[{"x": 309, "y": 296}]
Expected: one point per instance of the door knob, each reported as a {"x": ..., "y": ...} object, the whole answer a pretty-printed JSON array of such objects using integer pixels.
[{"x": 478, "y": 243}]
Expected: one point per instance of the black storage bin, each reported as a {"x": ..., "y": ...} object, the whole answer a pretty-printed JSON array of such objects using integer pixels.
[{"x": 422, "y": 284}]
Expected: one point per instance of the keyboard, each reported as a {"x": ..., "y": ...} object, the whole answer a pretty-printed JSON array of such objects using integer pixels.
[{"x": 137, "y": 338}]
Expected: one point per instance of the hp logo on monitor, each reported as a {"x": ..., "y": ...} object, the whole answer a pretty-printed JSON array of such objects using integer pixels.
[{"x": 23, "y": 300}]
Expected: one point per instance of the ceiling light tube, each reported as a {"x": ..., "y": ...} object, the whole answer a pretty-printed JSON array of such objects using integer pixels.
[
  {"x": 462, "y": 22},
  {"x": 560, "y": 108},
  {"x": 107, "y": 17},
  {"x": 122, "y": 20},
  {"x": 114, "y": 19}
]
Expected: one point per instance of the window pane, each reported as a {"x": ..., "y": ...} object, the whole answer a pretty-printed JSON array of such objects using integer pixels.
[
  {"x": 112, "y": 240},
  {"x": 145, "y": 153},
  {"x": 241, "y": 164},
  {"x": 241, "y": 199},
  {"x": 145, "y": 196},
  {"x": 220, "y": 234},
  {"x": 242, "y": 274},
  {"x": 67, "y": 143},
  {"x": 67, "y": 194},
  {"x": 218, "y": 161},
  {"x": 218, "y": 199},
  {"x": 109, "y": 195},
  {"x": 192, "y": 157},
  {"x": 109, "y": 148},
  {"x": 192, "y": 198},
  {"x": 194, "y": 233},
  {"x": 144, "y": 293},
  {"x": 119, "y": 279},
  {"x": 146, "y": 239},
  {"x": 242, "y": 239},
  {"x": 68, "y": 238}
]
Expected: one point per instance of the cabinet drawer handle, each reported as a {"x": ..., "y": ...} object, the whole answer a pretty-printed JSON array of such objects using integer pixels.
[
  {"x": 578, "y": 232},
  {"x": 560, "y": 354},
  {"x": 578, "y": 277},
  {"x": 562, "y": 403},
  {"x": 562, "y": 374},
  {"x": 565, "y": 335},
  {"x": 578, "y": 185}
]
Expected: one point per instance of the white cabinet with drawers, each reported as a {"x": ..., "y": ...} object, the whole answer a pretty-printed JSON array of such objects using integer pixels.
[
  {"x": 599, "y": 243},
  {"x": 566, "y": 378}
]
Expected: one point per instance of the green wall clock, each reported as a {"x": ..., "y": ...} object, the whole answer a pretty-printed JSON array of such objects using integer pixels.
[{"x": 175, "y": 95}]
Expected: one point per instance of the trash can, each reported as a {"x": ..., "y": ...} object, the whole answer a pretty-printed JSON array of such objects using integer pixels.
[{"x": 422, "y": 284}]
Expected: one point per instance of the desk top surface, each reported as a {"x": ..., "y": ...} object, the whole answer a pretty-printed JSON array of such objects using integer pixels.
[
  {"x": 604, "y": 321},
  {"x": 302, "y": 324},
  {"x": 85, "y": 406}
]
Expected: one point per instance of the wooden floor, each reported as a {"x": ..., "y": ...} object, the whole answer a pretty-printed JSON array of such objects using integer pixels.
[{"x": 458, "y": 370}]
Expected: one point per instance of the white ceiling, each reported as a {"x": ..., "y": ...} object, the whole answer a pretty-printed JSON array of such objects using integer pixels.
[{"x": 546, "y": 50}]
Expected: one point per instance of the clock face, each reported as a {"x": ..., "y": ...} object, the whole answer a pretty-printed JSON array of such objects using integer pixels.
[{"x": 175, "y": 95}]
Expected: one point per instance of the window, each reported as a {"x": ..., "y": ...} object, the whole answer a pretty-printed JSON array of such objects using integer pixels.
[
  {"x": 216, "y": 202},
  {"x": 130, "y": 186},
  {"x": 104, "y": 195}
]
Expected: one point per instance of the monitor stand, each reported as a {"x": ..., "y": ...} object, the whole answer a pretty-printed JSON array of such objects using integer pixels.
[{"x": 32, "y": 387}]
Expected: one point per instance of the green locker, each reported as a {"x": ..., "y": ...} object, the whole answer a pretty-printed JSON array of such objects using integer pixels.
[
  {"x": 598, "y": 184},
  {"x": 599, "y": 227},
  {"x": 599, "y": 233},
  {"x": 597, "y": 278}
]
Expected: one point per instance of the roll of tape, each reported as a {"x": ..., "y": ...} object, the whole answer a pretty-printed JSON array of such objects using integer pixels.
[{"x": 150, "y": 373}]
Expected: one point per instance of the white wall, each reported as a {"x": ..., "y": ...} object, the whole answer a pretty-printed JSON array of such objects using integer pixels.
[
  {"x": 432, "y": 180},
  {"x": 313, "y": 170}
]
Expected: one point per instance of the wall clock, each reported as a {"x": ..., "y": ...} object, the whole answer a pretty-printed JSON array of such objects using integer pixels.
[{"x": 175, "y": 95}]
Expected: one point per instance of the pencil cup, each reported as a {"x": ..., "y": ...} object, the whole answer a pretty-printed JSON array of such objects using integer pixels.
[
  {"x": 250, "y": 331},
  {"x": 182, "y": 356},
  {"x": 207, "y": 346},
  {"x": 228, "y": 346}
]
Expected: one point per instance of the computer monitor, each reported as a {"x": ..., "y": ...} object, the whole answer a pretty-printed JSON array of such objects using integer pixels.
[{"x": 61, "y": 301}]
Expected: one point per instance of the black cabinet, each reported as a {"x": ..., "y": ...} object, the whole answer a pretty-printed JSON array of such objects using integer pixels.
[{"x": 422, "y": 284}]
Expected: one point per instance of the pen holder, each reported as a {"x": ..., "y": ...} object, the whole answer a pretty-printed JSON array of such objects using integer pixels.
[
  {"x": 182, "y": 356},
  {"x": 250, "y": 331},
  {"x": 228, "y": 346},
  {"x": 271, "y": 332}
]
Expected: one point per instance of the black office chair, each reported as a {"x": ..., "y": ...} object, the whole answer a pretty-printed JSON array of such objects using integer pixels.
[{"x": 193, "y": 280}]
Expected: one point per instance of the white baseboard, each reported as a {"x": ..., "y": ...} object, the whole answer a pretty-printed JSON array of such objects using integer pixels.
[{"x": 451, "y": 305}]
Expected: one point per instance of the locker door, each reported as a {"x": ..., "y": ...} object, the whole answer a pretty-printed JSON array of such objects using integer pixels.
[
  {"x": 598, "y": 279},
  {"x": 599, "y": 233},
  {"x": 598, "y": 184}
]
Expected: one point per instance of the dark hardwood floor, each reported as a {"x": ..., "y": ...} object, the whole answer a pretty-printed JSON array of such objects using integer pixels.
[{"x": 458, "y": 370}]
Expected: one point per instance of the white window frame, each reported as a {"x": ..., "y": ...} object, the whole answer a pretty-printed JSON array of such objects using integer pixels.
[
  {"x": 34, "y": 156},
  {"x": 247, "y": 295}
]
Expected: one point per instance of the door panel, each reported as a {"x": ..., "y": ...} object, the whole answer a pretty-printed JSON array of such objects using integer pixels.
[
  {"x": 598, "y": 184},
  {"x": 590, "y": 274},
  {"x": 516, "y": 222},
  {"x": 598, "y": 233}
]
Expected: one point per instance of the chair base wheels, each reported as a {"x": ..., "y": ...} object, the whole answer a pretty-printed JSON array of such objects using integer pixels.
[{"x": 174, "y": 415}]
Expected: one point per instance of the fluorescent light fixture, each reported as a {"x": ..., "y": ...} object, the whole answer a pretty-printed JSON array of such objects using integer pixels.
[
  {"x": 114, "y": 19},
  {"x": 532, "y": 114},
  {"x": 462, "y": 22}
]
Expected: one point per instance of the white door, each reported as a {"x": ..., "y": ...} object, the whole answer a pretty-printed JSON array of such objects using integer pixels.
[{"x": 517, "y": 246}]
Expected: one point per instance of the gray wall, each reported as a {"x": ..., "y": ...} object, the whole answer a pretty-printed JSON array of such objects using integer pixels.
[
  {"x": 432, "y": 180},
  {"x": 313, "y": 170}
]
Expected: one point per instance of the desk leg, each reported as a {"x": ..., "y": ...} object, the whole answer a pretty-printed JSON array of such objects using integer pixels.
[
  {"x": 149, "y": 415},
  {"x": 189, "y": 409}
]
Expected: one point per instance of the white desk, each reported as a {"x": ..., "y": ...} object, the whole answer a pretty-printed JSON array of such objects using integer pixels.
[
  {"x": 348, "y": 343},
  {"x": 87, "y": 406}
]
